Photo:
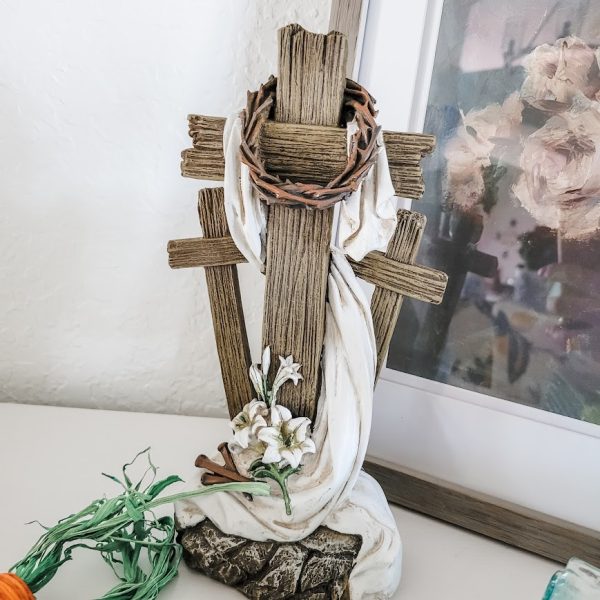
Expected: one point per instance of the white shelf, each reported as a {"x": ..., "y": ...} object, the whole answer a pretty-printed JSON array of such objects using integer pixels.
[{"x": 50, "y": 464}]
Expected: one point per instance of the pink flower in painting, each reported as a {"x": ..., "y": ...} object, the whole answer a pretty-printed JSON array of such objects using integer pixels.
[
  {"x": 495, "y": 124},
  {"x": 557, "y": 73},
  {"x": 560, "y": 181},
  {"x": 464, "y": 174},
  {"x": 469, "y": 151}
]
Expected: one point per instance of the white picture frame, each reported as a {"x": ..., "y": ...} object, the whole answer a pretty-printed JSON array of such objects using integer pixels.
[{"x": 515, "y": 453}]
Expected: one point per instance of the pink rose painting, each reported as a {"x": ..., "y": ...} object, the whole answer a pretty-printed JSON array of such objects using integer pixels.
[
  {"x": 560, "y": 173},
  {"x": 558, "y": 176},
  {"x": 469, "y": 153},
  {"x": 513, "y": 207},
  {"x": 558, "y": 73}
]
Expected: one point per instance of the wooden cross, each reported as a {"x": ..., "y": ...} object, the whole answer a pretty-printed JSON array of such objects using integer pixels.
[{"x": 304, "y": 143}]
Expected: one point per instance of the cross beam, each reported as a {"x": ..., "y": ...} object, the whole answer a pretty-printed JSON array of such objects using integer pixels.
[
  {"x": 204, "y": 252},
  {"x": 405, "y": 279},
  {"x": 393, "y": 276},
  {"x": 301, "y": 152}
]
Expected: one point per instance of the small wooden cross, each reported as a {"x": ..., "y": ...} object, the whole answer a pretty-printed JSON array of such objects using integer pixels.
[{"x": 303, "y": 143}]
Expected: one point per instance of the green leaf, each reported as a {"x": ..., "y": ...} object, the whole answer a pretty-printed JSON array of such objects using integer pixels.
[
  {"x": 113, "y": 478},
  {"x": 260, "y": 473},
  {"x": 140, "y": 548},
  {"x": 158, "y": 487},
  {"x": 129, "y": 464},
  {"x": 257, "y": 463},
  {"x": 133, "y": 511}
]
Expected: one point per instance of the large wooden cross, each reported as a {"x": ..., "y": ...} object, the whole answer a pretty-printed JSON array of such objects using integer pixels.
[{"x": 304, "y": 142}]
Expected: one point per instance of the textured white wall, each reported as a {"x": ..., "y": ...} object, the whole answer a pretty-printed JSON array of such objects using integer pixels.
[{"x": 93, "y": 104}]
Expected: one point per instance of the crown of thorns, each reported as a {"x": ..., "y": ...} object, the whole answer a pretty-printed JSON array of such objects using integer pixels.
[{"x": 362, "y": 153}]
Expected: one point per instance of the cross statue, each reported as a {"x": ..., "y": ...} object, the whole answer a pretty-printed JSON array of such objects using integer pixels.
[{"x": 303, "y": 141}]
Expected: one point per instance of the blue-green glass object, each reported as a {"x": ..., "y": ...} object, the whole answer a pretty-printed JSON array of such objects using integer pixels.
[{"x": 578, "y": 581}]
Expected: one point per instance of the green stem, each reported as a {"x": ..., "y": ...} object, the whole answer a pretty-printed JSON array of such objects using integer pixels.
[
  {"x": 256, "y": 488},
  {"x": 271, "y": 471},
  {"x": 286, "y": 498}
]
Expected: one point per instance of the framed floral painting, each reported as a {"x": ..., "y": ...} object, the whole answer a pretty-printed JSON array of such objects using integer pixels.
[
  {"x": 513, "y": 206},
  {"x": 498, "y": 388}
]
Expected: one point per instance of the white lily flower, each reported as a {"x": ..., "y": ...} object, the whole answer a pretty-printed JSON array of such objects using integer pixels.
[
  {"x": 280, "y": 414},
  {"x": 258, "y": 382},
  {"x": 259, "y": 376},
  {"x": 288, "y": 371},
  {"x": 290, "y": 368},
  {"x": 287, "y": 439},
  {"x": 266, "y": 361},
  {"x": 248, "y": 423}
]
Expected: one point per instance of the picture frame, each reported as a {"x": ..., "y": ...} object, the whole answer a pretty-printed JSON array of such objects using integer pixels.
[{"x": 514, "y": 473}]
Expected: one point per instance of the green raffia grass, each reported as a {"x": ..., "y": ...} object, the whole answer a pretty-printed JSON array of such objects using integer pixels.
[{"x": 126, "y": 533}]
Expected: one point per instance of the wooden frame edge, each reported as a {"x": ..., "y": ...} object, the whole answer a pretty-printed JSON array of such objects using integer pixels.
[
  {"x": 492, "y": 517},
  {"x": 349, "y": 17}
]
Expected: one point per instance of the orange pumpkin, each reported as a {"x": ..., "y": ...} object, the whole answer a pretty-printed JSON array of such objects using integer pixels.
[{"x": 14, "y": 588}]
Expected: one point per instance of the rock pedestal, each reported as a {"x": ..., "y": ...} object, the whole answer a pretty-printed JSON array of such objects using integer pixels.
[{"x": 315, "y": 568}]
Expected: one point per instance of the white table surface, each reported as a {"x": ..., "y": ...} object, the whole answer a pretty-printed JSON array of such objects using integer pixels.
[{"x": 50, "y": 464}]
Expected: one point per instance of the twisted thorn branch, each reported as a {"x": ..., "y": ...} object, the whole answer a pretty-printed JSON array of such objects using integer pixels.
[{"x": 362, "y": 153}]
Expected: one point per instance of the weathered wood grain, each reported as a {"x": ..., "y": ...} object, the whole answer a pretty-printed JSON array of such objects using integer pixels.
[
  {"x": 421, "y": 283},
  {"x": 205, "y": 160},
  {"x": 294, "y": 308},
  {"x": 312, "y": 153},
  {"x": 203, "y": 252},
  {"x": 397, "y": 278},
  {"x": 203, "y": 164},
  {"x": 310, "y": 88},
  {"x": 345, "y": 17},
  {"x": 385, "y": 303},
  {"x": 226, "y": 306},
  {"x": 309, "y": 153},
  {"x": 405, "y": 152},
  {"x": 206, "y": 131},
  {"x": 311, "y": 76},
  {"x": 509, "y": 523}
]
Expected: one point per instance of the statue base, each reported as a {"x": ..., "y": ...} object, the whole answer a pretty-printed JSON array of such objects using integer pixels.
[{"x": 315, "y": 568}]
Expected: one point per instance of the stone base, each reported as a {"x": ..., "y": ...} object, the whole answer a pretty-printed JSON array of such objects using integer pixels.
[{"x": 315, "y": 568}]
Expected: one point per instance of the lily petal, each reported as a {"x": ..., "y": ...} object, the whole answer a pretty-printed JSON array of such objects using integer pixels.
[
  {"x": 258, "y": 423},
  {"x": 292, "y": 456},
  {"x": 242, "y": 437},
  {"x": 257, "y": 380},
  {"x": 299, "y": 426},
  {"x": 266, "y": 360},
  {"x": 271, "y": 455},
  {"x": 308, "y": 446},
  {"x": 280, "y": 414},
  {"x": 288, "y": 457},
  {"x": 295, "y": 377},
  {"x": 257, "y": 408},
  {"x": 270, "y": 436}
]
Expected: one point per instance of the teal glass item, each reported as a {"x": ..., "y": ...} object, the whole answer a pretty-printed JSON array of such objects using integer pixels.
[{"x": 578, "y": 581}]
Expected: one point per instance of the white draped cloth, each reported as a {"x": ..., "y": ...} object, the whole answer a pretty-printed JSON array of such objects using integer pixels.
[{"x": 331, "y": 489}]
